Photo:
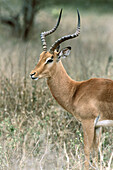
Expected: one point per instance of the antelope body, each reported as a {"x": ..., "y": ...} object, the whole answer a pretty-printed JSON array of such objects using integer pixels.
[{"x": 90, "y": 101}]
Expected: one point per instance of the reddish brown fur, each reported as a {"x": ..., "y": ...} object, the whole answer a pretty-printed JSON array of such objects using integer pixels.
[{"x": 85, "y": 99}]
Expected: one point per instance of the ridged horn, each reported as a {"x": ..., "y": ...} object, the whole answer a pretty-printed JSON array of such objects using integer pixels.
[
  {"x": 67, "y": 37},
  {"x": 44, "y": 34}
]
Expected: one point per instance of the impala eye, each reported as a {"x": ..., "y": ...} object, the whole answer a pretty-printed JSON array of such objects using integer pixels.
[{"x": 49, "y": 60}]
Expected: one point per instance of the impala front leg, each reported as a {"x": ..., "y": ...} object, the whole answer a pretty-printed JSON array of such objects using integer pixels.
[
  {"x": 98, "y": 132},
  {"x": 88, "y": 130}
]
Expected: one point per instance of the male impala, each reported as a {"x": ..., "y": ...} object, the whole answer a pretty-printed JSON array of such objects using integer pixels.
[{"x": 90, "y": 101}]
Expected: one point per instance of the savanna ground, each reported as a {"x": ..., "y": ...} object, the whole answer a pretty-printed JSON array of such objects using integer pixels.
[{"x": 35, "y": 132}]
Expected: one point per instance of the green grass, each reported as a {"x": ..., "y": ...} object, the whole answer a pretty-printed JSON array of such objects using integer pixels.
[{"x": 87, "y": 7}]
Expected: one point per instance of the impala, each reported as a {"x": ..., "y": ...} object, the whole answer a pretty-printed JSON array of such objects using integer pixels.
[{"x": 90, "y": 101}]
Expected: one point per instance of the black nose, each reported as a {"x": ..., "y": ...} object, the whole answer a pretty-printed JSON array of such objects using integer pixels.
[{"x": 32, "y": 74}]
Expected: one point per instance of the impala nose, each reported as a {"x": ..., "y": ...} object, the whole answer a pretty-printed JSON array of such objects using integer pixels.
[{"x": 32, "y": 75}]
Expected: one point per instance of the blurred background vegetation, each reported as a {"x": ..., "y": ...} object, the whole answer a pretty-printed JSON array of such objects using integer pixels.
[{"x": 35, "y": 132}]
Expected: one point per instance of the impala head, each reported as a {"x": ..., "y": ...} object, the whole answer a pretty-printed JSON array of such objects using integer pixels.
[{"x": 49, "y": 59}]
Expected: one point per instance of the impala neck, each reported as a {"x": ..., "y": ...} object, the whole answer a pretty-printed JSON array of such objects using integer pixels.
[{"x": 62, "y": 87}]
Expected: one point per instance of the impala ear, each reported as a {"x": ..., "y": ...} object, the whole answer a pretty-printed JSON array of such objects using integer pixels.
[{"x": 64, "y": 52}]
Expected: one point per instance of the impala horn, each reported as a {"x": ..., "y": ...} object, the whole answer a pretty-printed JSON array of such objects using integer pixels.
[
  {"x": 44, "y": 34},
  {"x": 67, "y": 37}
]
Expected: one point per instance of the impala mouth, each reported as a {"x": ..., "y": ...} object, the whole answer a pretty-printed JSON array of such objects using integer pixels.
[{"x": 34, "y": 78}]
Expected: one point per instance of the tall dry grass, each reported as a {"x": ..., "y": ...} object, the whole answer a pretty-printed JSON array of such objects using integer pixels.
[{"x": 35, "y": 132}]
